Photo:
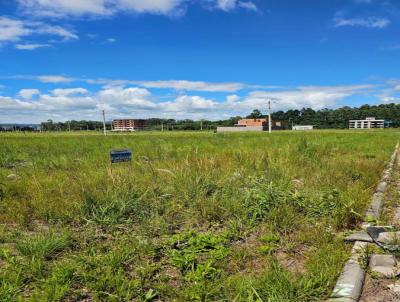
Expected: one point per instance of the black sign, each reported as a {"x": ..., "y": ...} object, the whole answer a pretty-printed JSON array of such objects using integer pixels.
[{"x": 120, "y": 156}]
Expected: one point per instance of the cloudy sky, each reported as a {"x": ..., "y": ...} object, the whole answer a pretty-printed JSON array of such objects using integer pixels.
[{"x": 70, "y": 59}]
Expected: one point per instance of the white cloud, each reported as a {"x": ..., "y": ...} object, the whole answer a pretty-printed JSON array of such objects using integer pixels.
[
  {"x": 228, "y": 5},
  {"x": 248, "y": 5},
  {"x": 59, "y": 8},
  {"x": 192, "y": 85},
  {"x": 14, "y": 30},
  {"x": 390, "y": 94},
  {"x": 69, "y": 91},
  {"x": 190, "y": 104},
  {"x": 363, "y": 1},
  {"x": 316, "y": 97},
  {"x": 28, "y": 46},
  {"x": 370, "y": 22},
  {"x": 56, "y": 30},
  {"x": 111, "y": 40},
  {"x": 54, "y": 79},
  {"x": 390, "y": 99},
  {"x": 78, "y": 8},
  {"x": 163, "y": 7},
  {"x": 27, "y": 94},
  {"x": 79, "y": 103},
  {"x": 102, "y": 8}
]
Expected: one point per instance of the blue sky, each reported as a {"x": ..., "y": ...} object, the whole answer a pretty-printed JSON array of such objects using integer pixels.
[{"x": 70, "y": 59}]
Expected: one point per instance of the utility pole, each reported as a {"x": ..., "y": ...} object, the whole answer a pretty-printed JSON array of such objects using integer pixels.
[
  {"x": 269, "y": 117},
  {"x": 104, "y": 123}
]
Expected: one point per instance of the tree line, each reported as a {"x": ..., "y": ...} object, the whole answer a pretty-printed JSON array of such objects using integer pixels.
[{"x": 321, "y": 119}]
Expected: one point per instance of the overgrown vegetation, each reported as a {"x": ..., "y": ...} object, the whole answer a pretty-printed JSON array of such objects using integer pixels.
[{"x": 194, "y": 216}]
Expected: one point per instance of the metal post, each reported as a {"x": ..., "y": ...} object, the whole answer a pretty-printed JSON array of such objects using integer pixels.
[
  {"x": 201, "y": 125},
  {"x": 269, "y": 117},
  {"x": 162, "y": 126},
  {"x": 104, "y": 123}
]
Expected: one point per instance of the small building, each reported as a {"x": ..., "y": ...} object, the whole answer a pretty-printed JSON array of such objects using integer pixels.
[
  {"x": 129, "y": 125},
  {"x": 303, "y": 127},
  {"x": 368, "y": 123},
  {"x": 252, "y": 122},
  {"x": 256, "y": 124}
]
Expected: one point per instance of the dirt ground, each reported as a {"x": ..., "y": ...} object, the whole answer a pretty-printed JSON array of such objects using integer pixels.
[{"x": 377, "y": 291}]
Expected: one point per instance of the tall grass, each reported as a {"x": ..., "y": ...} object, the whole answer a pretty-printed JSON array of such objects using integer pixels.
[{"x": 194, "y": 216}]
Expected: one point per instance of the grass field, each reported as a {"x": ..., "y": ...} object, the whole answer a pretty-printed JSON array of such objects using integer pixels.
[{"x": 194, "y": 216}]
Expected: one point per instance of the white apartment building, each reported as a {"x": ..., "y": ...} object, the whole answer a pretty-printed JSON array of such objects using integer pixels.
[{"x": 368, "y": 123}]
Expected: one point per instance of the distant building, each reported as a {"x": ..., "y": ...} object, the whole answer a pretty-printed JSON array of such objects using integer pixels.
[
  {"x": 302, "y": 127},
  {"x": 256, "y": 124},
  {"x": 252, "y": 122},
  {"x": 129, "y": 125},
  {"x": 368, "y": 123}
]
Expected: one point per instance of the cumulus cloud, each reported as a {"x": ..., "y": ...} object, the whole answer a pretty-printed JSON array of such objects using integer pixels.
[
  {"x": 390, "y": 99},
  {"x": 27, "y": 94},
  {"x": 316, "y": 97},
  {"x": 190, "y": 104},
  {"x": 370, "y": 22},
  {"x": 390, "y": 94},
  {"x": 79, "y": 103}
]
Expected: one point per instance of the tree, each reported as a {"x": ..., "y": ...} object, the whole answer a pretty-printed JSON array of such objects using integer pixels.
[{"x": 255, "y": 114}]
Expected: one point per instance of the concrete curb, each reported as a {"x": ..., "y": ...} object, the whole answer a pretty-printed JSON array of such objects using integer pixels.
[
  {"x": 350, "y": 284},
  {"x": 375, "y": 209},
  {"x": 351, "y": 280}
]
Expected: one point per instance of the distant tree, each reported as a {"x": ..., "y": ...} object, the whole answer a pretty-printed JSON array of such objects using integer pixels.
[{"x": 255, "y": 114}]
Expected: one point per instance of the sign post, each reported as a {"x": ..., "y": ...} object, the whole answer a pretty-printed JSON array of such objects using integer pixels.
[{"x": 120, "y": 156}]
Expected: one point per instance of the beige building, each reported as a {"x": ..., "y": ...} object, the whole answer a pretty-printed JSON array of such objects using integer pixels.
[{"x": 368, "y": 123}]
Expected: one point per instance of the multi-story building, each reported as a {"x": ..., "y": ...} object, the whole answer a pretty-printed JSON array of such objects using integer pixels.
[
  {"x": 368, "y": 123},
  {"x": 129, "y": 125}
]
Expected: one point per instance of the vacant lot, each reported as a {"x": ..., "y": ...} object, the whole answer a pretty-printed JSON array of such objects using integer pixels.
[{"x": 194, "y": 216}]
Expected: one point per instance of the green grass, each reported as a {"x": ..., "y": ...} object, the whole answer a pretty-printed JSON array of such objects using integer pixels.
[{"x": 194, "y": 216}]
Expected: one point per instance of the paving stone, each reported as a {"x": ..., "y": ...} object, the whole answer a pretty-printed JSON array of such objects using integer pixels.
[
  {"x": 381, "y": 186},
  {"x": 389, "y": 238},
  {"x": 383, "y": 265},
  {"x": 359, "y": 236},
  {"x": 374, "y": 231}
]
